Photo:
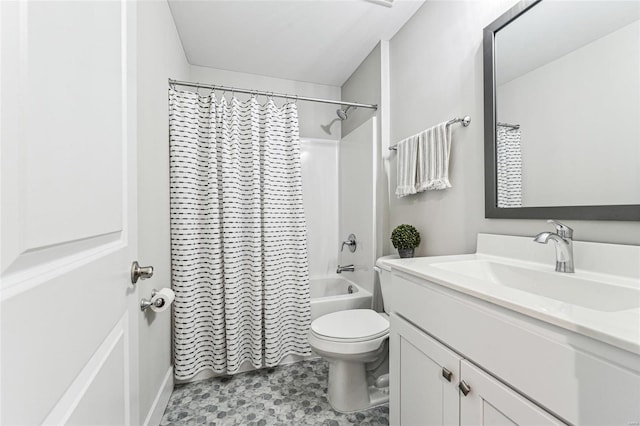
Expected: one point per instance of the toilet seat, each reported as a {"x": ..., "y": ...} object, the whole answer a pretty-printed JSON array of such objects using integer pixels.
[
  {"x": 351, "y": 332},
  {"x": 353, "y": 325}
]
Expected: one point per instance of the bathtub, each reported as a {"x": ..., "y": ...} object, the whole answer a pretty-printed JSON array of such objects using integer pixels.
[{"x": 335, "y": 293}]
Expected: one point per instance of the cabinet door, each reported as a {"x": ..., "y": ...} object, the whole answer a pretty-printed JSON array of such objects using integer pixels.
[
  {"x": 491, "y": 403},
  {"x": 422, "y": 393}
]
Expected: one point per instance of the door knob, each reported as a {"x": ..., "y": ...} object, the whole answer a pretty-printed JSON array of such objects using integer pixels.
[{"x": 142, "y": 272}]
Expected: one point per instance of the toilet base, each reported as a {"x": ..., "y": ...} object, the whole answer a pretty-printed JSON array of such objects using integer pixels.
[{"x": 348, "y": 388}]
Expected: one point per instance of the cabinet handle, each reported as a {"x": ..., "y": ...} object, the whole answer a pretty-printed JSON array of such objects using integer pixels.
[
  {"x": 465, "y": 388},
  {"x": 447, "y": 374}
]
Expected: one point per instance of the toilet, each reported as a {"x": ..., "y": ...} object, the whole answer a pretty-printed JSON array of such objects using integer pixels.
[{"x": 355, "y": 342}]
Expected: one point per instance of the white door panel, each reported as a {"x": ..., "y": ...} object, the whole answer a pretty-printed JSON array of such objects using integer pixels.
[
  {"x": 51, "y": 331},
  {"x": 66, "y": 131},
  {"x": 73, "y": 108},
  {"x": 112, "y": 409},
  {"x": 67, "y": 205},
  {"x": 100, "y": 393}
]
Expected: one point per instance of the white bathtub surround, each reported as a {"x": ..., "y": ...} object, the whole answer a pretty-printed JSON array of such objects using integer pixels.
[
  {"x": 357, "y": 183},
  {"x": 319, "y": 158},
  {"x": 239, "y": 252}
]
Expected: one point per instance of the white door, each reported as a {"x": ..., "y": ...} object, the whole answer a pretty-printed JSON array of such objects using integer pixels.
[
  {"x": 489, "y": 402},
  {"x": 67, "y": 204}
]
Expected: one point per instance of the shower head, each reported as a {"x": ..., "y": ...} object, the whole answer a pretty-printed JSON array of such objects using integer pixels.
[{"x": 342, "y": 113}]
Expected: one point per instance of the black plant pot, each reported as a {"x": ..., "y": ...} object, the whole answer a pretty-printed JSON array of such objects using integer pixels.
[{"x": 405, "y": 252}]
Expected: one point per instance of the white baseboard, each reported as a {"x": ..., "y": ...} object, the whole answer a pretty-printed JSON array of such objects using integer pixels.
[{"x": 160, "y": 402}]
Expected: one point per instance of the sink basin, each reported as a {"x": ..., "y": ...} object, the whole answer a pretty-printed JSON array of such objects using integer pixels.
[{"x": 568, "y": 288}]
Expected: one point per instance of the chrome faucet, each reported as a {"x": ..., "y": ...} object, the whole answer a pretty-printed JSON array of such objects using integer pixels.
[
  {"x": 348, "y": 268},
  {"x": 563, "y": 237},
  {"x": 351, "y": 243}
]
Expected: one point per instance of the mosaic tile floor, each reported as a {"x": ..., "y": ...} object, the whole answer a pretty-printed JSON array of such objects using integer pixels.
[{"x": 289, "y": 395}]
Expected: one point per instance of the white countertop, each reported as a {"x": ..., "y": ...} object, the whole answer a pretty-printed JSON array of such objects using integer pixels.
[{"x": 620, "y": 328}]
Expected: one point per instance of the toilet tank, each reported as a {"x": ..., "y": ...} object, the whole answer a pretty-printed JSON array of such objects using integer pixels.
[{"x": 384, "y": 273}]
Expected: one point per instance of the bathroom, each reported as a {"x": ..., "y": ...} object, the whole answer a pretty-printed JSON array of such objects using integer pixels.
[{"x": 85, "y": 118}]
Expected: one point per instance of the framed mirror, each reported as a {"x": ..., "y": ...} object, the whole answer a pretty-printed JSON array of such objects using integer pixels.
[{"x": 562, "y": 111}]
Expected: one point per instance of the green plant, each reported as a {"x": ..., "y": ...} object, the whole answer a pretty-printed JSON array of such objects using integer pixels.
[{"x": 405, "y": 237}]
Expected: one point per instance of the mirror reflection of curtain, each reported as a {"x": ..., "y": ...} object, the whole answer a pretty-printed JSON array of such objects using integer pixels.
[{"x": 509, "y": 167}]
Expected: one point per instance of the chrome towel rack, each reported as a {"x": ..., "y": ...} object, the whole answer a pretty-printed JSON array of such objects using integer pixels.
[
  {"x": 511, "y": 126},
  {"x": 466, "y": 120}
]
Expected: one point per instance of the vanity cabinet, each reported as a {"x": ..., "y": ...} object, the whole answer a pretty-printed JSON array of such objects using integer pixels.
[
  {"x": 433, "y": 385},
  {"x": 425, "y": 392},
  {"x": 491, "y": 403},
  {"x": 519, "y": 370}
]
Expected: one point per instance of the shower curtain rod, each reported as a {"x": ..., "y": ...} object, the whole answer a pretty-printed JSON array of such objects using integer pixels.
[
  {"x": 466, "y": 120},
  {"x": 275, "y": 95}
]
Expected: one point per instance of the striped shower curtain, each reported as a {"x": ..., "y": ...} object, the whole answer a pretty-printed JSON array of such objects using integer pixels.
[
  {"x": 509, "y": 167},
  {"x": 238, "y": 234}
]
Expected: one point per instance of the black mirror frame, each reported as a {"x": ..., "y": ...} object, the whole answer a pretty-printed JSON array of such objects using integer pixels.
[{"x": 629, "y": 212}]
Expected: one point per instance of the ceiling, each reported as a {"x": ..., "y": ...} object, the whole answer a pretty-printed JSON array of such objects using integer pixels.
[{"x": 317, "y": 41}]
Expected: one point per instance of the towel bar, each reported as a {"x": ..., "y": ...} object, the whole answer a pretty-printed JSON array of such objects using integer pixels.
[{"x": 466, "y": 120}]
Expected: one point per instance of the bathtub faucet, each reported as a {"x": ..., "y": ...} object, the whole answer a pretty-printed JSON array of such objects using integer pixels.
[{"x": 348, "y": 268}]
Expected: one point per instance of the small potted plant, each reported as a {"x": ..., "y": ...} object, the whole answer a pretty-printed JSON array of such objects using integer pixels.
[{"x": 405, "y": 238}]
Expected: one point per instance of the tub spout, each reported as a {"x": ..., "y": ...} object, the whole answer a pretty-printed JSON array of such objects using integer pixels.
[{"x": 342, "y": 268}]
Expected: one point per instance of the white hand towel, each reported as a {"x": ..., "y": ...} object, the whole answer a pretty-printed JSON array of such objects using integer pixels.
[
  {"x": 407, "y": 154},
  {"x": 434, "y": 145}
]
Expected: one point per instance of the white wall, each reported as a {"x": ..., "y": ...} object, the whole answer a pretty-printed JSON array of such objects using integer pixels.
[
  {"x": 319, "y": 159},
  {"x": 160, "y": 56},
  {"x": 436, "y": 74},
  {"x": 580, "y": 109},
  {"x": 363, "y": 86},
  {"x": 312, "y": 115}
]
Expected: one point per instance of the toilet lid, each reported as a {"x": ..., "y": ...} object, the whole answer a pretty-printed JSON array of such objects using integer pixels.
[{"x": 353, "y": 324}]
